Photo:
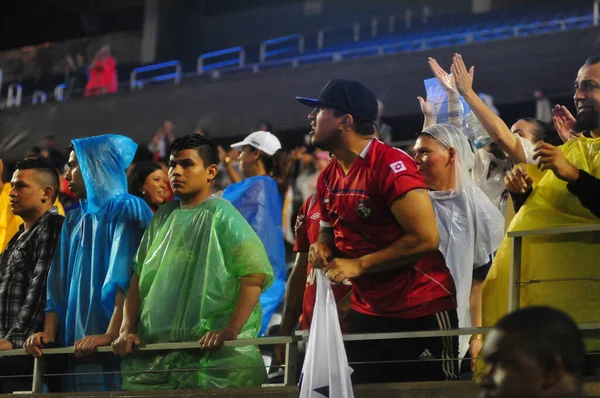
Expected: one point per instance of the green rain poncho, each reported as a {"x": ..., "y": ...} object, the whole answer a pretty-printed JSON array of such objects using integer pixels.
[{"x": 190, "y": 263}]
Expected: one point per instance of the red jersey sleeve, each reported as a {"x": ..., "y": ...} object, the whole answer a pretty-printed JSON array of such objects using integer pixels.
[
  {"x": 325, "y": 220},
  {"x": 302, "y": 243},
  {"x": 399, "y": 174}
]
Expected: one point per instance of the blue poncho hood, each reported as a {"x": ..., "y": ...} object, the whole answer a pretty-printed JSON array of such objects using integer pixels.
[{"x": 103, "y": 160}]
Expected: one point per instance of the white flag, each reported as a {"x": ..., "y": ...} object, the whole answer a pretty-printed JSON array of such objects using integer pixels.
[{"x": 325, "y": 372}]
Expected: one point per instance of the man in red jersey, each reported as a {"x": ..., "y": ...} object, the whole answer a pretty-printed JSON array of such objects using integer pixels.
[
  {"x": 378, "y": 229},
  {"x": 301, "y": 290}
]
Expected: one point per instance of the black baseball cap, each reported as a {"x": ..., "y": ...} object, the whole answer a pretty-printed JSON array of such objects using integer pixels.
[{"x": 348, "y": 96}]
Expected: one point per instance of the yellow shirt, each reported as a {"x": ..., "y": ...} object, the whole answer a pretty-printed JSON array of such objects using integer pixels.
[{"x": 9, "y": 223}]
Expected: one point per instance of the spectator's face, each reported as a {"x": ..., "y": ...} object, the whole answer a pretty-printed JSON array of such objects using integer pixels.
[
  {"x": 169, "y": 127},
  {"x": 27, "y": 195},
  {"x": 188, "y": 175},
  {"x": 74, "y": 177},
  {"x": 509, "y": 371},
  {"x": 587, "y": 97},
  {"x": 248, "y": 161},
  {"x": 154, "y": 189},
  {"x": 49, "y": 143},
  {"x": 326, "y": 128},
  {"x": 524, "y": 129},
  {"x": 434, "y": 162}
]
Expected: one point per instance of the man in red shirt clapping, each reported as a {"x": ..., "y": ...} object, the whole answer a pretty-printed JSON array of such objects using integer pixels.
[{"x": 378, "y": 229}]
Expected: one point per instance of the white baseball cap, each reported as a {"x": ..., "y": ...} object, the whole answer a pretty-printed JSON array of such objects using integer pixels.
[{"x": 261, "y": 140}]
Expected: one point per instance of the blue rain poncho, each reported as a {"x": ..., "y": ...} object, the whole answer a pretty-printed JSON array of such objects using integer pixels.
[
  {"x": 258, "y": 199},
  {"x": 95, "y": 254},
  {"x": 190, "y": 264}
]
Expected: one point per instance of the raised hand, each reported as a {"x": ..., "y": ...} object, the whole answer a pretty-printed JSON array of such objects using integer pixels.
[
  {"x": 462, "y": 77},
  {"x": 445, "y": 79},
  {"x": 564, "y": 122},
  {"x": 425, "y": 107}
]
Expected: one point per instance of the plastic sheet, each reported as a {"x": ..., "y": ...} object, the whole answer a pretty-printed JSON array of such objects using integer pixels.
[
  {"x": 325, "y": 371},
  {"x": 559, "y": 256},
  {"x": 190, "y": 263},
  {"x": 258, "y": 199},
  {"x": 471, "y": 227},
  {"x": 97, "y": 246}
]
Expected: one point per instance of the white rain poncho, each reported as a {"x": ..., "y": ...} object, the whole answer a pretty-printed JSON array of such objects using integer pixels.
[{"x": 471, "y": 227}]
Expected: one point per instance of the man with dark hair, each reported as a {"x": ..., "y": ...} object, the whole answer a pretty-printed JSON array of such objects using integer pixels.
[
  {"x": 533, "y": 352},
  {"x": 24, "y": 264},
  {"x": 198, "y": 275},
  {"x": 565, "y": 194},
  {"x": 378, "y": 229},
  {"x": 91, "y": 269}
]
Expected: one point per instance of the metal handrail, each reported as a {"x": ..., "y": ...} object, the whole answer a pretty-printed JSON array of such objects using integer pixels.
[
  {"x": 59, "y": 92},
  {"x": 240, "y": 60},
  {"x": 134, "y": 83},
  {"x": 514, "y": 287},
  {"x": 12, "y": 98},
  {"x": 38, "y": 96},
  {"x": 278, "y": 40}
]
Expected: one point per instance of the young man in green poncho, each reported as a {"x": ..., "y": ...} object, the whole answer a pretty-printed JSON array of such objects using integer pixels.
[{"x": 198, "y": 275}]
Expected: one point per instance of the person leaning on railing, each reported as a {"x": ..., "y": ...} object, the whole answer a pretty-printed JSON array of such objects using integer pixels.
[
  {"x": 566, "y": 194},
  {"x": 198, "y": 275}
]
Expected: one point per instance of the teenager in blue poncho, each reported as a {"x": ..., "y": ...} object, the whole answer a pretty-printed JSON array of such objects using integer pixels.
[
  {"x": 266, "y": 168},
  {"x": 90, "y": 273}
]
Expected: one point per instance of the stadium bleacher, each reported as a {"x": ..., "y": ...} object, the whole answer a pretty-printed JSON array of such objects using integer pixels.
[{"x": 381, "y": 36}]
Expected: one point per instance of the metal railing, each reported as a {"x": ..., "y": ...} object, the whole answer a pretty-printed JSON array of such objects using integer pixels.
[
  {"x": 291, "y": 342},
  {"x": 38, "y": 97},
  {"x": 14, "y": 95},
  {"x": 514, "y": 293},
  {"x": 240, "y": 60},
  {"x": 136, "y": 84},
  {"x": 298, "y": 39},
  {"x": 59, "y": 92}
]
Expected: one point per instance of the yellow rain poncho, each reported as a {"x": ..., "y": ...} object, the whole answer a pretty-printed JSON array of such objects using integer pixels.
[
  {"x": 9, "y": 223},
  {"x": 553, "y": 257}
]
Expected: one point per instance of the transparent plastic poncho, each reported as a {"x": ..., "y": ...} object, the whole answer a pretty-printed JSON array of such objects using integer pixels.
[
  {"x": 190, "y": 264},
  {"x": 470, "y": 226}
]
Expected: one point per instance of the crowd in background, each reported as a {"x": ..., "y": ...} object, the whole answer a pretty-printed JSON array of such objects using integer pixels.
[{"x": 412, "y": 242}]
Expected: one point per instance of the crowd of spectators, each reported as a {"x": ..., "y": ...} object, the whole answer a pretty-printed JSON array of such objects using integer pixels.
[{"x": 177, "y": 239}]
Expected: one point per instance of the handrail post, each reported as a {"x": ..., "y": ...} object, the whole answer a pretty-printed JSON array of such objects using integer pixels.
[
  {"x": 408, "y": 18},
  {"x": 242, "y": 58},
  {"x": 514, "y": 287},
  {"x": 132, "y": 80},
  {"x": 13, "y": 99},
  {"x": 320, "y": 38},
  {"x": 374, "y": 26},
  {"x": 356, "y": 32},
  {"x": 301, "y": 44},
  {"x": 290, "y": 378},
  {"x": 263, "y": 52},
  {"x": 596, "y": 7},
  {"x": 38, "y": 96},
  {"x": 391, "y": 23},
  {"x": 39, "y": 365},
  {"x": 178, "y": 74}
]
